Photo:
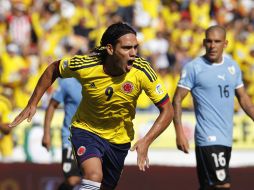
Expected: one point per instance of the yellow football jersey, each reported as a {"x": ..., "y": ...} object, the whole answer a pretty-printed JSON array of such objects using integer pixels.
[{"x": 109, "y": 103}]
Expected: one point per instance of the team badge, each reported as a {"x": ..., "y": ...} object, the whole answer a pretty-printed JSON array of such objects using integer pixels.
[
  {"x": 231, "y": 70},
  {"x": 221, "y": 174},
  {"x": 159, "y": 89},
  {"x": 127, "y": 87},
  {"x": 66, "y": 167},
  {"x": 81, "y": 150}
]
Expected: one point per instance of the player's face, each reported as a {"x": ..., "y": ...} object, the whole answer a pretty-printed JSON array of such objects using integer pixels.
[
  {"x": 214, "y": 44},
  {"x": 125, "y": 52}
]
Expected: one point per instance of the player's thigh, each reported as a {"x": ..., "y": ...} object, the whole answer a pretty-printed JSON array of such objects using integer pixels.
[
  {"x": 213, "y": 164},
  {"x": 88, "y": 151}
]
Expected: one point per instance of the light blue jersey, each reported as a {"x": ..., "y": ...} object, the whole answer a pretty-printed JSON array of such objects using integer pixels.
[
  {"x": 68, "y": 93},
  {"x": 213, "y": 90}
]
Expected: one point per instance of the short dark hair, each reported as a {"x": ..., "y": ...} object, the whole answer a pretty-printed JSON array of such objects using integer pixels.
[
  {"x": 111, "y": 35},
  {"x": 218, "y": 28}
]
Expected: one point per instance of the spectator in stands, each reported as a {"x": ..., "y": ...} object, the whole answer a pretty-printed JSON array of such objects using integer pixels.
[{"x": 19, "y": 25}]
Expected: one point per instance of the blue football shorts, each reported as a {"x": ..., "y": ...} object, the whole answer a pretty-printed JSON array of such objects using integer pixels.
[{"x": 87, "y": 145}]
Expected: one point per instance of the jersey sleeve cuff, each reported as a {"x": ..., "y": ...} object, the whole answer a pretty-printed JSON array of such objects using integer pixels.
[{"x": 163, "y": 101}]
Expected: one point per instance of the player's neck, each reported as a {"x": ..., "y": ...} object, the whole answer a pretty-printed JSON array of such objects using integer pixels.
[
  {"x": 215, "y": 61},
  {"x": 111, "y": 70}
]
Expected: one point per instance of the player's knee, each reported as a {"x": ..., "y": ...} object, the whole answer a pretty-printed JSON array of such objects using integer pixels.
[
  {"x": 73, "y": 180},
  {"x": 94, "y": 176}
]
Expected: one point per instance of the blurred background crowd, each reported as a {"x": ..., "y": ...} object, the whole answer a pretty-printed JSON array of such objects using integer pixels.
[{"x": 33, "y": 33}]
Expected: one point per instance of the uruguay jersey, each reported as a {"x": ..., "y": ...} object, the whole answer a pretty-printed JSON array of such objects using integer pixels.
[
  {"x": 68, "y": 93},
  {"x": 213, "y": 90},
  {"x": 109, "y": 103}
]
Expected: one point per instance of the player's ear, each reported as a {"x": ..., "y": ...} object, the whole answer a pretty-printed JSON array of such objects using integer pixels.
[
  {"x": 204, "y": 42},
  {"x": 110, "y": 49},
  {"x": 225, "y": 43}
]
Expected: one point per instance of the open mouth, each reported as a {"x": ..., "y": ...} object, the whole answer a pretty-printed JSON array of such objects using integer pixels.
[{"x": 130, "y": 62}]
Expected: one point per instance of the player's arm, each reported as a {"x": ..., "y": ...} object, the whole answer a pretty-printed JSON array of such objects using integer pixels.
[
  {"x": 45, "y": 81},
  {"x": 46, "y": 139},
  {"x": 245, "y": 102},
  {"x": 181, "y": 140},
  {"x": 162, "y": 122}
]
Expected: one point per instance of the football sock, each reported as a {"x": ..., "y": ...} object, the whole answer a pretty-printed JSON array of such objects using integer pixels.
[{"x": 89, "y": 185}]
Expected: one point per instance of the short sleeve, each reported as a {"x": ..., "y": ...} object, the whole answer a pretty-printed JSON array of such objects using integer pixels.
[
  {"x": 239, "y": 80},
  {"x": 155, "y": 90},
  {"x": 65, "y": 68},
  {"x": 187, "y": 77}
]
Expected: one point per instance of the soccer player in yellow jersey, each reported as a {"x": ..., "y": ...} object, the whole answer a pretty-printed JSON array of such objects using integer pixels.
[{"x": 112, "y": 78}]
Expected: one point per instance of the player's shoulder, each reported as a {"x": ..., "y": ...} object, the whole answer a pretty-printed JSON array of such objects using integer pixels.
[
  {"x": 144, "y": 68},
  {"x": 229, "y": 60},
  {"x": 78, "y": 62}
]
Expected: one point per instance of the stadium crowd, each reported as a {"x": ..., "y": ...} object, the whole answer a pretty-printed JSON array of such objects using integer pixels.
[{"x": 170, "y": 33}]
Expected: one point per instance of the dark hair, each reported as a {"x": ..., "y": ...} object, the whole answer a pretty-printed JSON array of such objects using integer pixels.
[
  {"x": 111, "y": 35},
  {"x": 218, "y": 28}
]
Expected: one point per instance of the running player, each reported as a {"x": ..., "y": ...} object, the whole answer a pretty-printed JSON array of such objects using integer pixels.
[{"x": 112, "y": 79}]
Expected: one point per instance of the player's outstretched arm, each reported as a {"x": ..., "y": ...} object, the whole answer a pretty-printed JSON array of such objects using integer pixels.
[
  {"x": 181, "y": 140},
  {"x": 45, "y": 81},
  {"x": 46, "y": 139},
  {"x": 162, "y": 122}
]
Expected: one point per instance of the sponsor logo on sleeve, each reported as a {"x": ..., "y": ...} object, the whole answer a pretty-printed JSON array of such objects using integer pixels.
[
  {"x": 65, "y": 63},
  {"x": 159, "y": 89},
  {"x": 183, "y": 74}
]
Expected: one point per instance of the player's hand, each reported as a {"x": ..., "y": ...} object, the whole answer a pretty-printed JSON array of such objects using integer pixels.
[
  {"x": 182, "y": 143},
  {"x": 27, "y": 113},
  {"x": 46, "y": 141},
  {"x": 5, "y": 129},
  {"x": 142, "y": 159}
]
